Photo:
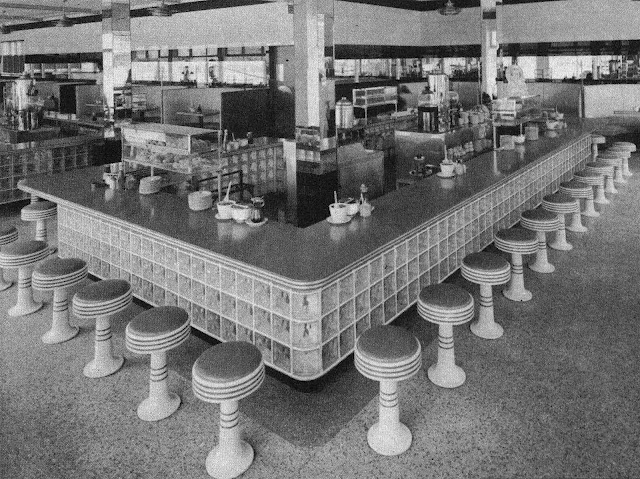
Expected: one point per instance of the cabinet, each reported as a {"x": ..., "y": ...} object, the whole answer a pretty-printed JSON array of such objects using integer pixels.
[{"x": 376, "y": 96}]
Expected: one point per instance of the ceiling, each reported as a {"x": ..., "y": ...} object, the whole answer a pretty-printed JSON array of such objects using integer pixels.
[{"x": 24, "y": 12}]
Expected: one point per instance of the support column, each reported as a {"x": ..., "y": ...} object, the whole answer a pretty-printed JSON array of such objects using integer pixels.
[
  {"x": 116, "y": 58},
  {"x": 489, "y": 47}
]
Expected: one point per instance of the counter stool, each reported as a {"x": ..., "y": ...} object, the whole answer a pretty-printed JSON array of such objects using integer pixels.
[
  {"x": 446, "y": 305},
  {"x": 625, "y": 154},
  {"x": 40, "y": 212},
  {"x": 607, "y": 172},
  {"x": 486, "y": 270},
  {"x": 542, "y": 222},
  {"x": 8, "y": 234},
  {"x": 561, "y": 205},
  {"x": 595, "y": 141},
  {"x": 224, "y": 374},
  {"x": 23, "y": 255},
  {"x": 517, "y": 241},
  {"x": 594, "y": 181},
  {"x": 57, "y": 275},
  {"x": 578, "y": 191},
  {"x": 154, "y": 332},
  {"x": 388, "y": 354},
  {"x": 615, "y": 159},
  {"x": 101, "y": 300},
  {"x": 631, "y": 148}
]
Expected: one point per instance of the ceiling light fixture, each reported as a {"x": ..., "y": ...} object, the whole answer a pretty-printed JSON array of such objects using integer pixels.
[
  {"x": 64, "y": 21},
  {"x": 161, "y": 10},
  {"x": 449, "y": 9}
]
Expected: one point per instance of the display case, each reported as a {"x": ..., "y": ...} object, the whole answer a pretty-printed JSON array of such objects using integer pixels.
[
  {"x": 376, "y": 96},
  {"x": 170, "y": 147},
  {"x": 517, "y": 108}
]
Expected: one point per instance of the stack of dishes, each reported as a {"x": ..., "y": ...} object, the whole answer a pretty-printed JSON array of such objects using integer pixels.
[
  {"x": 150, "y": 185},
  {"x": 200, "y": 200}
]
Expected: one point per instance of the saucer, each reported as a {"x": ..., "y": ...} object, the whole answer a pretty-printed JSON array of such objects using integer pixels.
[
  {"x": 330, "y": 220},
  {"x": 217, "y": 216},
  {"x": 440, "y": 175},
  {"x": 255, "y": 225}
]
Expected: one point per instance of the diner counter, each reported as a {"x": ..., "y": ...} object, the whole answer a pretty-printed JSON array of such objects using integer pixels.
[{"x": 303, "y": 295}]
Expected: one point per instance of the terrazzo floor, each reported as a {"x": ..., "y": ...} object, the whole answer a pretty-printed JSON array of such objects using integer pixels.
[{"x": 557, "y": 396}]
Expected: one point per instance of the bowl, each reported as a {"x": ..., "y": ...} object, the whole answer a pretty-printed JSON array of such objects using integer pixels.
[
  {"x": 240, "y": 213},
  {"x": 224, "y": 209},
  {"x": 352, "y": 205},
  {"x": 338, "y": 211}
]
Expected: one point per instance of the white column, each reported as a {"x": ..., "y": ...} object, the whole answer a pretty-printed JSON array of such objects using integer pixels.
[
  {"x": 489, "y": 46},
  {"x": 116, "y": 51}
]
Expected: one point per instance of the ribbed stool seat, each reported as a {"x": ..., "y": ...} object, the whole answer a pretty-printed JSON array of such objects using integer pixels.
[
  {"x": 40, "y": 212},
  {"x": 446, "y": 305},
  {"x": 56, "y": 274},
  {"x": 577, "y": 190},
  {"x": 225, "y": 374},
  {"x": 595, "y": 141},
  {"x": 560, "y": 204},
  {"x": 596, "y": 182},
  {"x": 607, "y": 171},
  {"x": 23, "y": 255},
  {"x": 101, "y": 300},
  {"x": 627, "y": 145},
  {"x": 154, "y": 332},
  {"x": 8, "y": 234},
  {"x": 625, "y": 152},
  {"x": 615, "y": 159},
  {"x": 542, "y": 222},
  {"x": 388, "y": 354},
  {"x": 486, "y": 270},
  {"x": 517, "y": 241}
]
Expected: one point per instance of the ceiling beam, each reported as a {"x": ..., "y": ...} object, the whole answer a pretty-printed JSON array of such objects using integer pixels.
[{"x": 30, "y": 6}]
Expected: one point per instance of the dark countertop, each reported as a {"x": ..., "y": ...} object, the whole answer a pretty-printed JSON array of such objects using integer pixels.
[{"x": 306, "y": 257}]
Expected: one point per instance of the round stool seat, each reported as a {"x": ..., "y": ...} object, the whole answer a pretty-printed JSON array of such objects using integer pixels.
[
  {"x": 8, "y": 234},
  {"x": 388, "y": 353},
  {"x": 59, "y": 273},
  {"x": 600, "y": 168},
  {"x": 576, "y": 189},
  {"x": 627, "y": 145},
  {"x": 40, "y": 210},
  {"x": 560, "y": 203},
  {"x": 598, "y": 139},
  {"x": 539, "y": 220},
  {"x": 157, "y": 329},
  {"x": 618, "y": 151},
  {"x": 102, "y": 298},
  {"x": 445, "y": 304},
  {"x": 516, "y": 240},
  {"x": 23, "y": 253},
  {"x": 589, "y": 178},
  {"x": 228, "y": 372},
  {"x": 486, "y": 268}
]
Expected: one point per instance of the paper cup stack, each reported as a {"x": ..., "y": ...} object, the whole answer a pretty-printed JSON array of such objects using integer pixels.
[
  {"x": 200, "y": 200},
  {"x": 150, "y": 185}
]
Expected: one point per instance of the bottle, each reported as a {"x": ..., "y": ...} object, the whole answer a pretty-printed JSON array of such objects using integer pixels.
[{"x": 365, "y": 206}]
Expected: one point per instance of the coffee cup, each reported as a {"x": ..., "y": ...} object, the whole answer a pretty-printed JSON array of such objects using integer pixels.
[
  {"x": 224, "y": 209},
  {"x": 338, "y": 212}
]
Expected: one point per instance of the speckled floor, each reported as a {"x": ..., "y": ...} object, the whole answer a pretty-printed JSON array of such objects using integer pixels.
[{"x": 557, "y": 396}]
